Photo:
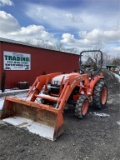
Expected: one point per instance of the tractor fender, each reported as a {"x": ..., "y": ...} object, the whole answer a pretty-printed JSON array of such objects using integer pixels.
[{"x": 93, "y": 82}]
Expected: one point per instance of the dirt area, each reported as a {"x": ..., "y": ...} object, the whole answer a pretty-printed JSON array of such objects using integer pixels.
[{"x": 95, "y": 138}]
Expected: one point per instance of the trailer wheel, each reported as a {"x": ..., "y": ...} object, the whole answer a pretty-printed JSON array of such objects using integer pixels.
[
  {"x": 100, "y": 94},
  {"x": 81, "y": 108}
]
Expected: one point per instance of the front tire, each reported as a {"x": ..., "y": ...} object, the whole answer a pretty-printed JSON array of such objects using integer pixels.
[
  {"x": 81, "y": 108},
  {"x": 100, "y": 94}
]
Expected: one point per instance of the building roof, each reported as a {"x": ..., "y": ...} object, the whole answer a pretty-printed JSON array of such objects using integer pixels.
[
  {"x": 30, "y": 45},
  {"x": 111, "y": 65},
  {"x": 13, "y": 41}
]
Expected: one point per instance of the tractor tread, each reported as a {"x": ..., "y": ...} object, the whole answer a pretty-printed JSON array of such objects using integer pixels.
[
  {"x": 78, "y": 107},
  {"x": 97, "y": 94}
]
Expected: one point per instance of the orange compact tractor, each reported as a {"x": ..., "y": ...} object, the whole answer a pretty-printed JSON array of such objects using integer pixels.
[{"x": 51, "y": 93}]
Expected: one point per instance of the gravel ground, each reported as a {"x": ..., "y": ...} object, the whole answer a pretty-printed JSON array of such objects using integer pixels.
[{"x": 95, "y": 138}]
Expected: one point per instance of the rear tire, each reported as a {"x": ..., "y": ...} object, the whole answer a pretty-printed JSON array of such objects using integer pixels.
[
  {"x": 100, "y": 94},
  {"x": 81, "y": 108}
]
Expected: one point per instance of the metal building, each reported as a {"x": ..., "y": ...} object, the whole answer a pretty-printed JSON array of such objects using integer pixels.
[{"x": 23, "y": 62}]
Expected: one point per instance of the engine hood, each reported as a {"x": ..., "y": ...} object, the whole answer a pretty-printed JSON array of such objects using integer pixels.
[{"x": 57, "y": 79}]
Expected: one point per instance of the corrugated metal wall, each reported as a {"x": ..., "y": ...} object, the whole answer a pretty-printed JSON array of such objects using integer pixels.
[
  {"x": 41, "y": 60},
  {"x": 1, "y": 63}
]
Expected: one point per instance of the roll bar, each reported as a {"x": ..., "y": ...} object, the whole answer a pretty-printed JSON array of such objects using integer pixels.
[{"x": 101, "y": 60}]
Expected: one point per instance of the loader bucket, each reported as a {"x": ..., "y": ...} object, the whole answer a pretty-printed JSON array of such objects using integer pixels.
[{"x": 43, "y": 119}]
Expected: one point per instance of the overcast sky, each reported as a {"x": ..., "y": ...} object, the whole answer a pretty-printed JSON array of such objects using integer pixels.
[{"x": 80, "y": 24}]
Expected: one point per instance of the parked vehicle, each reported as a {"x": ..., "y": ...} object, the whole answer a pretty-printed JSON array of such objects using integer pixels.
[{"x": 51, "y": 93}]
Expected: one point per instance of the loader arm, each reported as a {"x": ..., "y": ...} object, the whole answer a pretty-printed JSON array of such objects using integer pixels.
[
  {"x": 69, "y": 87},
  {"x": 41, "y": 81}
]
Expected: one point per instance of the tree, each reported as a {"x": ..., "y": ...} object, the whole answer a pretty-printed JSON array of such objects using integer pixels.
[{"x": 116, "y": 61}]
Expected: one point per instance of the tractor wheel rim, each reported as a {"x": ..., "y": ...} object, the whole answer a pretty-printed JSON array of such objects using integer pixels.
[
  {"x": 85, "y": 107},
  {"x": 104, "y": 95}
]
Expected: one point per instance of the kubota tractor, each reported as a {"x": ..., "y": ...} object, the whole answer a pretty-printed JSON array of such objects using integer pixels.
[{"x": 51, "y": 93}]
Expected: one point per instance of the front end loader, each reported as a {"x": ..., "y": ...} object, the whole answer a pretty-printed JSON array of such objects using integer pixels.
[{"x": 50, "y": 94}]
